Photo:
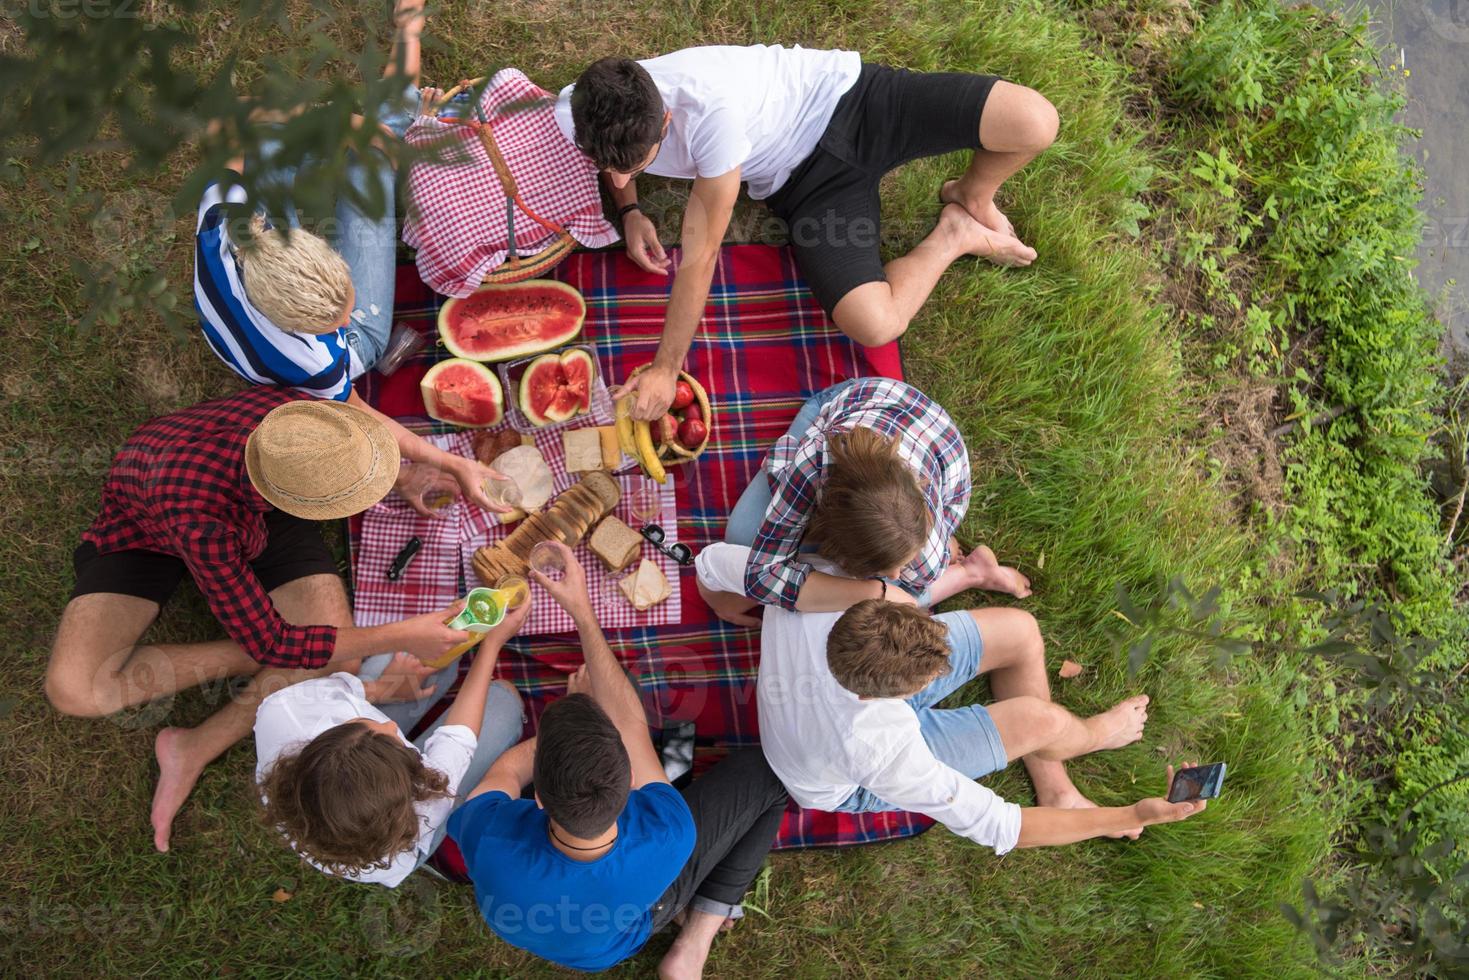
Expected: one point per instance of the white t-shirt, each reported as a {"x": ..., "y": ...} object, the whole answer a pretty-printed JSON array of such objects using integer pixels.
[
  {"x": 824, "y": 742},
  {"x": 761, "y": 108},
  {"x": 292, "y": 717}
]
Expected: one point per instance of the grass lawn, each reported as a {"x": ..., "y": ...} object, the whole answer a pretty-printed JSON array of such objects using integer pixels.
[{"x": 1076, "y": 390}]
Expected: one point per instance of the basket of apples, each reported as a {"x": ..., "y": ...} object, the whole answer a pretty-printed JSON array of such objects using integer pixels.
[{"x": 679, "y": 437}]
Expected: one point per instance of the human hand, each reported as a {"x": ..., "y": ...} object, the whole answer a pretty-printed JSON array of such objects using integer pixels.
[
  {"x": 652, "y": 391},
  {"x": 643, "y": 246},
  {"x": 509, "y": 626},
  {"x": 424, "y": 486},
  {"x": 404, "y": 679},
  {"x": 570, "y": 591},
  {"x": 729, "y": 606},
  {"x": 428, "y": 637},
  {"x": 1159, "y": 810},
  {"x": 470, "y": 476},
  {"x": 986, "y": 572},
  {"x": 580, "y": 682}
]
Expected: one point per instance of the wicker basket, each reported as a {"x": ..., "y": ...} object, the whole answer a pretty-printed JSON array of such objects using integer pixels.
[
  {"x": 516, "y": 267},
  {"x": 671, "y": 453}
]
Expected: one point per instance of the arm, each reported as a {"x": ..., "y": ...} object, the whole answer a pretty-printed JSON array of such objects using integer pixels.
[
  {"x": 705, "y": 221},
  {"x": 511, "y": 773},
  {"x": 610, "y": 686},
  {"x": 1043, "y": 826},
  {"x": 468, "y": 473},
  {"x": 468, "y": 708}
]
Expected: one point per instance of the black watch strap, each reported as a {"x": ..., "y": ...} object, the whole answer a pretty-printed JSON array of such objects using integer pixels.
[{"x": 623, "y": 211}]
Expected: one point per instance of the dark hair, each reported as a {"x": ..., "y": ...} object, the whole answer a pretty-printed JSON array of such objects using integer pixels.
[
  {"x": 582, "y": 773},
  {"x": 872, "y": 515},
  {"x": 883, "y": 649},
  {"x": 346, "y": 800},
  {"x": 617, "y": 114}
]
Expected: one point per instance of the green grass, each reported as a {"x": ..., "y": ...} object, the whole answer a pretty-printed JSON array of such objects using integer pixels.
[{"x": 1071, "y": 384}]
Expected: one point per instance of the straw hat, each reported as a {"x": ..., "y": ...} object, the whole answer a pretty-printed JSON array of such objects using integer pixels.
[{"x": 321, "y": 459}]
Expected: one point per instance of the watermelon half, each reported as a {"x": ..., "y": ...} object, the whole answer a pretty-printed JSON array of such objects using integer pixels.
[
  {"x": 555, "y": 387},
  {"x": 463, "y": 393},
  {"x": 518, "y": 319}
]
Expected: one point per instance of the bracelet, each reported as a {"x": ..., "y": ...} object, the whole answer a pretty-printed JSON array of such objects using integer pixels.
[
  {"x": 879, "y": 578},
  {"x": 623, "y": 211}
]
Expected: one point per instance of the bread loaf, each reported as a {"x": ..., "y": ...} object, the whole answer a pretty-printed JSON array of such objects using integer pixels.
[{"x": 568, "y": 520}]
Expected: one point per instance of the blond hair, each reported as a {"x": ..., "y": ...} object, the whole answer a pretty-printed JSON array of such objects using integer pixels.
[{"x": 298, "y": 281}]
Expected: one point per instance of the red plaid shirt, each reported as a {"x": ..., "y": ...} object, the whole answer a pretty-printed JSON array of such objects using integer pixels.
[
  {"x": 928, "y": 441},
  {"x": 178, "y": 487}
]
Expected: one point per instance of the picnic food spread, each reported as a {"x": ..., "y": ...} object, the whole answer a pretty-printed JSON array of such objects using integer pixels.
[
  {"x": 500, "y": 322},
  {"x": 568, "y": 519},
  {"x": 463, "y": 393}
]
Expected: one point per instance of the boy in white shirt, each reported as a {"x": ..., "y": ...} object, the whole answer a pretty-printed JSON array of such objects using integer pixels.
[
  {"x": 849, "y": 722},
  {"x": 812, "y": 132}
]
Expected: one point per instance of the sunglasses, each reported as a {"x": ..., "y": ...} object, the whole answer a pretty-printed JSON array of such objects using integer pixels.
[{"x": 678, "y": 551}]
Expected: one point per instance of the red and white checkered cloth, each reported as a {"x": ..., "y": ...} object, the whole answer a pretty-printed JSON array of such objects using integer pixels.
[
  {"x": 442, "y": 571},
  {"x": 456, "y": 219}
]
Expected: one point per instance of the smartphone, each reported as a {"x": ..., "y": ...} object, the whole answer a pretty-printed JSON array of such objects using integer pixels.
[
  {"x": 678, "y": 753},
  {"x": 1197, "y": 783}
]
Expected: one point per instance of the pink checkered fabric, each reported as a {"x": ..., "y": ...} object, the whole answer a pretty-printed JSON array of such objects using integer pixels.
[
  {"x": 456, "y": 219},
  {"x": 442, "y": 571}
]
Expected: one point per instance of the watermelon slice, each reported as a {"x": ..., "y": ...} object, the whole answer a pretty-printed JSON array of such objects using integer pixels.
[
  {"x": 556, "y": 387},
  {"x": 500, "y": 322},
  {"x": 463, "y": 393}
]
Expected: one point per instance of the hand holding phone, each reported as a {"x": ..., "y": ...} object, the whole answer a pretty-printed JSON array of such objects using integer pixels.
[{"x": 1197, "y": 783}]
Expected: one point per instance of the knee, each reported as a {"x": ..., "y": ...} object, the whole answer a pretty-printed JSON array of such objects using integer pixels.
[
  {"x": 1038, "y": 123},
  {"x": 71, "y": 696},
  {"x": 871, "y": 327},
  {"x": 1046, "y": 720},
  {"x": 1028, "y": 633}
]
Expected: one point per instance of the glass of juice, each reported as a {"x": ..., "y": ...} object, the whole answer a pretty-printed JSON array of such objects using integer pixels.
[{"x": 514, "y": 591}]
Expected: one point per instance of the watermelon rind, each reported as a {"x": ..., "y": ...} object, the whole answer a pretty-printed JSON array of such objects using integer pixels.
[
  {"x": 526, "y": 342},
  {"x": 428, "y": 388}
]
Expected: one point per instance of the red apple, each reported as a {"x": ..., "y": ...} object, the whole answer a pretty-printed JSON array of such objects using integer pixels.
[
  {"x": 683, "y": 395},
  {"x": 692, "y": 433},
  {"x": 693, "y": 413}
]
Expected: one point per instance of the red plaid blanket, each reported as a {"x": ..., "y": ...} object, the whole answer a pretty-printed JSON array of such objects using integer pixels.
[
  {"x": 763, "y": 348},
  {"x": 457, "y": 220}
]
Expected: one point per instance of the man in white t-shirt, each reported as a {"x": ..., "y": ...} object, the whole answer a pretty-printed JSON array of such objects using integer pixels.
[
  {"x": 812, "y": 133},
  {"x": 849, "y": 722}
]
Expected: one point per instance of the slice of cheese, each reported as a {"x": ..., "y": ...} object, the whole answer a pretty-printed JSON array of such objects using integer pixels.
[{"x": 611, "y": 451}]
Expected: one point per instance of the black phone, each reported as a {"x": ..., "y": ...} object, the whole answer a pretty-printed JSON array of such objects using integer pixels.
[
  {"x": 1197, "y": 783},
  {"x": 678, "y": 753}
]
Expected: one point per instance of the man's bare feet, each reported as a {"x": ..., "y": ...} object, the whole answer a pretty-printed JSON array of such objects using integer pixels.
[
  {"x": 1120, "y": 725},
  {"x": 984, "y": 212},
  {"x": 973, "y": 238},
  {"x": 177, "y": 774},
  {"x": 987, "y": 573}
]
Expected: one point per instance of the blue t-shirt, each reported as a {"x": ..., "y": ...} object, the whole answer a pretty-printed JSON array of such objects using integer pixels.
[
  {"x": 588, "y": 915},
  {"x": 244, "y": 338}
]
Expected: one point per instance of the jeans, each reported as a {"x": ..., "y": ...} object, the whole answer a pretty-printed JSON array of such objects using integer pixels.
[
  {"x": 499, "y": 729},
  {"x": 737, "y": 808},
  {"x": 749, "y": 511},
  {"x": 370, "y": 247},
  {"x": 964, "y": 739}
]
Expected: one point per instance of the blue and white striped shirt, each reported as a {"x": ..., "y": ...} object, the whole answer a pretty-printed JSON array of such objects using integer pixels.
[{"x": 244, "y": 338}]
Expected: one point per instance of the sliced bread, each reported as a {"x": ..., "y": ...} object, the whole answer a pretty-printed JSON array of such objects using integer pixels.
[{"x": 615, "y": 543}]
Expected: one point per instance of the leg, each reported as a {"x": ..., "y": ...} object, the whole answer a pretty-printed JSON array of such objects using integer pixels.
[
  {"x": 407, "y": 714},
  {"x": 737, "y": 808},
  {"x": 184, "y": 752},
  {"x": 1016, "y": 125}
]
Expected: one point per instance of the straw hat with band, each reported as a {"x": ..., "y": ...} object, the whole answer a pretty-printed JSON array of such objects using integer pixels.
[{"x": 321, "y": 460}]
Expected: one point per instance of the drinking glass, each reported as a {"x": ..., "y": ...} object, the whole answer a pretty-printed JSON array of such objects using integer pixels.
[
  {"x": 513, "y": 590},
  {"x": 647, "y": 502},
  {"x": 546, "y": 559},
  {"x": 503, "y": 492}
]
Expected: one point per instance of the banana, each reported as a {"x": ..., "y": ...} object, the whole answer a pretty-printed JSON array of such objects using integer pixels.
[
  {"x": 648, "y": 453},
  {"x": 625, "y": 440}
]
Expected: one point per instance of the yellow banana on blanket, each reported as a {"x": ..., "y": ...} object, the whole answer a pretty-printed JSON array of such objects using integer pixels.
[
  {"x": 625, "y": 440},
  {"x": 648, "y": 453}
]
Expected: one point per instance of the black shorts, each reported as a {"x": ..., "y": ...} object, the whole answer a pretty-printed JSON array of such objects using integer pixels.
[
  {"x": 294, "y": 548},
  {"x": 830, "y": 202}
]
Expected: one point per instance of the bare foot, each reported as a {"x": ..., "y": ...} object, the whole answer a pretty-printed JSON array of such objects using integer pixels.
[
  {"x": 1070, "y": 798},
  {"x": 177, "y": 773},
  {"x": 986, "y": 213},
  {"x": 683, "y": 961},
  {"x": 1120, "y": 725},
  {"x": 973, "y": 238},
  {"x": 987, "y": 573}
]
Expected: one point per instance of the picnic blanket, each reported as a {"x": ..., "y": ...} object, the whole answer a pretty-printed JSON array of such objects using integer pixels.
[
  {"x": 763, "y": 348},
  {"x": 457, "y": 219}
]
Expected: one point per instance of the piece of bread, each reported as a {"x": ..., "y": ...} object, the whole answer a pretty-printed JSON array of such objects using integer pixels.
[
  {"x": 611, "y": 450},
  {"x": 646, "y": 587},
  {"x": 604, "y": 487},
  {"x": 569, "y": 518},
  {"x": 583, "y": 450},
  {"x": 615, "y": 543}
]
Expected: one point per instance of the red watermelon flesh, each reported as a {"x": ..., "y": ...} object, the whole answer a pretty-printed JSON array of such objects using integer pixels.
[
  {"x": 498, "y": 322},
  {"x": 554, "y": 388},
  {"x": 463, "y": 393}
]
